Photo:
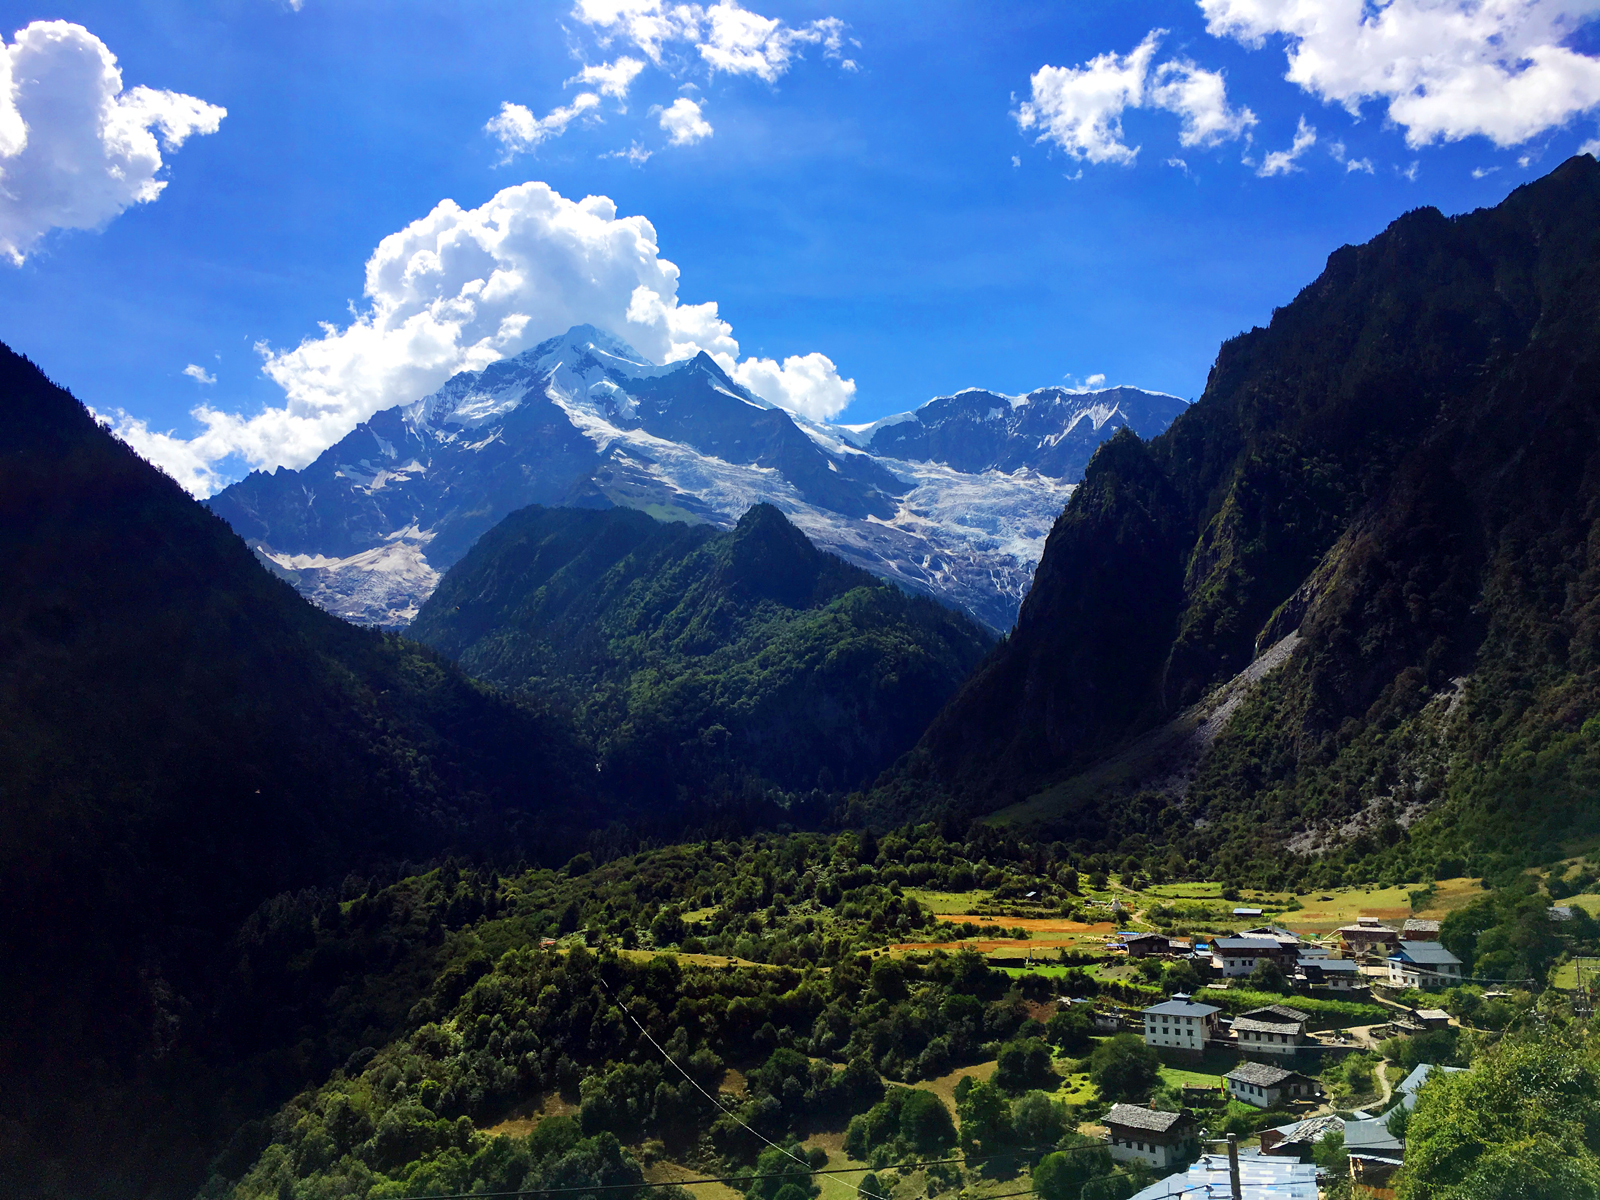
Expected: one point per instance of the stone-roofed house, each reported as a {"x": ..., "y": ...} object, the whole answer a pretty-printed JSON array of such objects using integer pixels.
[
  {"x": 1266, "y": 1086},
  {"x": 1149, "y": 1136},
  {"x": 1419, "y": 929},
  {"x": 1296, "y": 1140},
  {"x": 1423, "y": 965},
  {"x": 1276, "y": 1029},
  {"x": 1289, "y": 941},
  {"x": 1143, "y": 945},
  {"x": 1180, "y": 1024},
  {"x": 1375, "y": 1153},
  {"x": 1336, "y": 974},
  {"x": 1367, "y": 936}
]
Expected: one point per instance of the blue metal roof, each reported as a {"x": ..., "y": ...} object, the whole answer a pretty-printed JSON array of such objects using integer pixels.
[{"x": 1261, "y": 1177}]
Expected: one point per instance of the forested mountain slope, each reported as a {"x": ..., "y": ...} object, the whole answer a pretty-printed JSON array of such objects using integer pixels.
[
  {"x": 703, "y": 660},
  {"x": 181, "y": 737},
  {"x": 1404, "y": 467}
]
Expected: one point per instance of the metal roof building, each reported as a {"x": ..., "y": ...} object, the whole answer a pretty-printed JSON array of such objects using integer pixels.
[{"x": 1260, "y": 1178}]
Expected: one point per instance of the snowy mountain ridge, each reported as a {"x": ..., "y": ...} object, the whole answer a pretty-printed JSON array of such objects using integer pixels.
[{"x": 953, "y": 500}]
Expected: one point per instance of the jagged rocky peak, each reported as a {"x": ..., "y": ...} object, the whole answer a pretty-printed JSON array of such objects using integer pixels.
[{"x": 1051, "y": 430}]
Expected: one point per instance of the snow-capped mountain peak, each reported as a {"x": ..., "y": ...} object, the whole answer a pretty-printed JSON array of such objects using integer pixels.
[{"x": 953, "y": 499}]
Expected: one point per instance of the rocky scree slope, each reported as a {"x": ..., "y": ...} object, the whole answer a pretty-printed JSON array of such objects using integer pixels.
[
  {"x": 1404, "y": 468},
  {"x": 951, "y": 501},
  {"x": 698, "y": 659}
]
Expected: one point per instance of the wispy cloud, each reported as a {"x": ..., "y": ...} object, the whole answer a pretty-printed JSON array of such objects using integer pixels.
[
  {"x": 1281, "y": 162},
  {"x": 518, "y": 130}
]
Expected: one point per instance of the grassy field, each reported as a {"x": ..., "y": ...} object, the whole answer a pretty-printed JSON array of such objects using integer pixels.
[
  {"x": 1323, "y": 912},
  {"x": 1319, "y": 914},
  {"x": 950, "y": 903},
  {"x": 1204, "y": 1074},
  {"x": 1201, "y": 890}
]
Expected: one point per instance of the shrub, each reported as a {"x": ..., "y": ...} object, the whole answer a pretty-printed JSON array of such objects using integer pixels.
[
  {"x": 1022, "y": 1065},
  {"x": 1124, "y": 1068}
]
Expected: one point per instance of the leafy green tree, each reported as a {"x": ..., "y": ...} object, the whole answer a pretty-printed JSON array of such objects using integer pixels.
[
  {"x": 1037, "y": 1120},
  {"x": 1181, "y": 976},
  {"x": 1268, "y": 976},
  {"x": 1023, "y": 1064},
  {"x": 1329, "y": 1154},
  {"x": 1124, "y": 1068},
  {"x": 777, "y": 1172},
  {"x": 1061, "y": 1176},
  {"x": 889, "y": 980},
  {"x": 667, "y": 928},
  {"x": 985, "y": 1117},
  {"x": 925, "y": 1123},
  {"x": 1522, "y": 1124},
  {"x": 1069, "y": 1028}
]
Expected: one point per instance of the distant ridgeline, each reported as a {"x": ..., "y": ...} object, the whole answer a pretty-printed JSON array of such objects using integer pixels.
[
  {"x": 1383, "y": 511},
  {"x": 700, "y": 660}
]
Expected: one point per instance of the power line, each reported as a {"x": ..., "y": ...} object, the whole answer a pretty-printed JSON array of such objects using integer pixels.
[
  {"x": 745, "y": 1177},
  {"x": 714, "y": 1101}
]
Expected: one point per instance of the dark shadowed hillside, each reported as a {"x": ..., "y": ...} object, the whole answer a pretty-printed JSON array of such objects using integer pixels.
[
  {"x": 703, "y": 661},
  {"x": 181, "y": 737},
  {"x": 1404, "y": 468}
]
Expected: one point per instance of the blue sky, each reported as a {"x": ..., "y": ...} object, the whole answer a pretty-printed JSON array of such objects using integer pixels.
[{"x": 891, "y": 194}]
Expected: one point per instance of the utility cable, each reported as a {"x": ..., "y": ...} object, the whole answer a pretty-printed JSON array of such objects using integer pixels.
[{"x": 714, "y": 1101}]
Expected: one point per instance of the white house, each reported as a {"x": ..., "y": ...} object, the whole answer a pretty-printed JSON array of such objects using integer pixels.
[
  {"x": 1339, "y": 974},
  {"x": 1276, "y": 1029},
  {"x": 1367, "y": 936},
  {"x": 1180, "y": 1024},
  {"x": 1149, "y": 1136},
  {"x": 1266, "y": 1086},
  {"x": 1239, "y": 955},
  {"x": 1423, "y": 965}
]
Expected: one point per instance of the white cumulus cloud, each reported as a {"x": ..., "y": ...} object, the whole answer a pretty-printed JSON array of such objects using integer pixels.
[
  {"x": 1080, "y": 108},
  {"x": 1281, "y": 162},
  {"x": 459, "y": 289},
  {"x": 75, "y": 149},
  {"x": 683, "y": 123},
  {"x": 726, "y": 36},
  {"x": 1592, "y": 146},
  {"x": 808, "y": 384},
  {"x": 611, "y": 79},
  {"x": 1200, "y": 98},
  {"x": 1448, "y": 69},
  {"x": 519, "y": 130},
  {"x": 199, "y": 374}
]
